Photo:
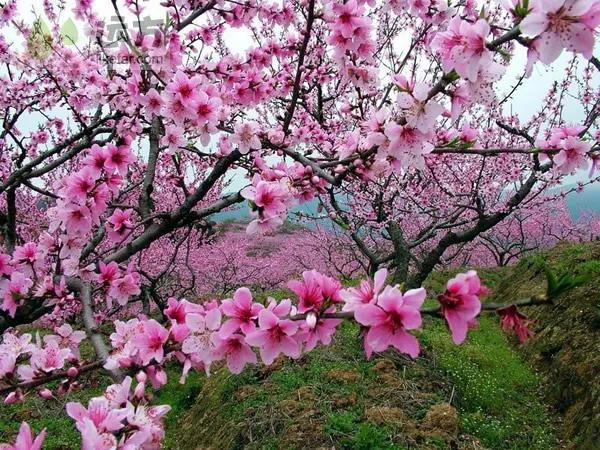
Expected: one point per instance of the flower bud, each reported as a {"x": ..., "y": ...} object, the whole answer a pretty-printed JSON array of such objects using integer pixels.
[
  {"x": 141, "y": 377},
  {"x": 139, "y": 391},
  {"x": 46, "y": 394},
  {"x": 13, "y": 397}
]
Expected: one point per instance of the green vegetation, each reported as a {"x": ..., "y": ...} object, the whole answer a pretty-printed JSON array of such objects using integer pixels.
[{"x": 497, "y": 394}]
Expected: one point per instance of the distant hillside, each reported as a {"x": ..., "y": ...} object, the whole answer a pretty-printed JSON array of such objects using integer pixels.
[
  {"x": 242, "y": 213},
  {"x": 588, "y": 200}
]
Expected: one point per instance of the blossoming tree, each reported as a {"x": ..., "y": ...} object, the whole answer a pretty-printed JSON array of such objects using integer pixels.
[{"x": 141, "y": 137}]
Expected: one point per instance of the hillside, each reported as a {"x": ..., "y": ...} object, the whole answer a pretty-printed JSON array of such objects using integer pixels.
[{"x": 566, "y": 347}]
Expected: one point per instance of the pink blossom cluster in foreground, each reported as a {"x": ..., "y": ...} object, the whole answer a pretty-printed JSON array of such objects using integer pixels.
[{"x": 231, "y": 331}]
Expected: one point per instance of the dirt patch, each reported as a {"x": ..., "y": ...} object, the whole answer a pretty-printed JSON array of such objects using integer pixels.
[
  {"x": 441, "y": 420},
  {"x": 347, "y": 376}
]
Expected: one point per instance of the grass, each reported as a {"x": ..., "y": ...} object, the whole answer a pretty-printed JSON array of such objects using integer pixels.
[
  {"x": 328, "y": 396},
  {"x": 498, "y": 395}
]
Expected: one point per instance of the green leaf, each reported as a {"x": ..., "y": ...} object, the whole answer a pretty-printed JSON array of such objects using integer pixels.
[
  {"x": 552, "y": 282},
  {"x": 69, "y": 32},
  {"x": 41, "y": 26}
]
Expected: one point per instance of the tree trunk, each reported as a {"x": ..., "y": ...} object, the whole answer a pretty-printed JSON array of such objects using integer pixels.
[{"x": 401, "y": 253}]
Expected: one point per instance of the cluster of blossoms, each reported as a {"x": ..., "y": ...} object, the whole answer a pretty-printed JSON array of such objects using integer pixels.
[
  {"x": 25, "y": 360},
  {"x": 121, "y": 418},
  {"x": 198, "y": 335},
  {"x": 351, "y": 38},
  {"x": 557, "y": 25},
  {"x": 202, "y": 334},
  {"x": 120, "y": 286},
  {"x": 338, "y": 96},
  {"x": 84, "y": 197},
  {"x": 269, "y": 201},
  {"x": 572, "y": 150}
]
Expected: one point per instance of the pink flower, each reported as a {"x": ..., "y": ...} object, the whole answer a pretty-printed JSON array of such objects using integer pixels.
[
  {"x": 309, "y": 291},
  {"x": 560, "y": 24},
  {"x": 16, "y": 344},
  {"x": 201, "y": 342},
  {"x": 7, "y": 362},
  {"x": 315, "y": 290},
  {"x": 264, "y": 224},
  {"x": 5, "y": 268},
  {"x": 243, "y": 313},
  {"x": 92, "y": 439},
  {"x": 25, "y": 440},
  {"x": 349, "y": 17},
  {"x": 96, "y": 160},
  {"x": 460, "y": 303},
  {"x": 390, "y": 318},
  {"x": 420, "y": 112},
  {"x": 108, "y": 272},
  {"x": 267, "y": 197},
  {"x": 13, "y": 291},
  {"x": 79, "y": 185},
  {"x": 408, "y": 145},
  {"x": 102, "y": 414},
  {"x": 173, "y": 138},
  {"x": 463, "y": 48},
  {"x": 150, "y": 342},
  {"x": 118, "y": 158},
  {"x": 123, "y": 288},
  {"x": 365, "y": 293},
  {"x": 237, "y": 353},
  {"x": 207, "y": 109},
  {"x": 573, "y": 155},
  {"x": 321, "y": 332},
  {"x": 26, "y": 254},
  {"x": 67, "y": 337},
  {"x": 153, "y": 102},
  {"x": 119, "y": 224},
  {"x": 77, "y": 219},
  {"x": 118, "y": 394},
  {"x": 274, "y": 336},
  {"x": 50, "y": 357},
  {"x": 183, "y": 89},
  {"x": 177, "y": 311},
  {"x": 245, "y": 136},
  {"x": 512, "y": 320}
]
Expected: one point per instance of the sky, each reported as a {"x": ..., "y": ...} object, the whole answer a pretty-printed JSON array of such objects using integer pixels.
[{"x": 528, "y": 99}]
